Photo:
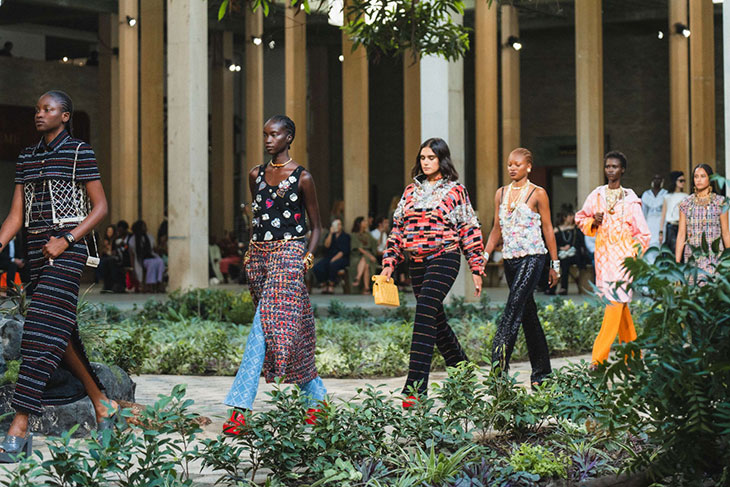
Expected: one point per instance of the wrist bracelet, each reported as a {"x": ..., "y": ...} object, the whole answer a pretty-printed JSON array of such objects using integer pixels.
[
  {"x": 555, "y": 265},
  {"x": 308, "y": 261},
  {"x": 486, "y": 256}
]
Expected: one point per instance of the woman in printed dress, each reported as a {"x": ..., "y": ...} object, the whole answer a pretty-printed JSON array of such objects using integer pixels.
[{"x": 702, "y": 215}]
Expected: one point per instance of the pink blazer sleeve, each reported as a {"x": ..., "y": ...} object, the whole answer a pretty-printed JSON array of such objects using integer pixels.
[
  {"x": 639, "y": 228},
  {"x": 584, "y": 217}
]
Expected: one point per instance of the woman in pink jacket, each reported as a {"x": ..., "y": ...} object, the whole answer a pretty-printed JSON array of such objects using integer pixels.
[{"x": 613, "y": 215}]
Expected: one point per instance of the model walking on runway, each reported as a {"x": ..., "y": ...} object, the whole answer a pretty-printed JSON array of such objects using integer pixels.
[
  {"x": 521, "y": 220},
  {"x": 282, "y": 339},
  {"x": 434, "y": 222},
  {"x": 51, "y": 178},
  {"x": 613, "y": 215}
]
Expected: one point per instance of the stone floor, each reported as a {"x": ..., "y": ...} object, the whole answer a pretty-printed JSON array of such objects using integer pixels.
[{"x": 209, "y": 392}]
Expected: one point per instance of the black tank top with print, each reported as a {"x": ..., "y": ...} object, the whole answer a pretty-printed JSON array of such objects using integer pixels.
[{"x": 278, "y": 211}]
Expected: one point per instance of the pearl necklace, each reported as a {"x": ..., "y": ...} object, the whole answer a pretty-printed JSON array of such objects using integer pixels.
[{"x": 513, "y": 203}]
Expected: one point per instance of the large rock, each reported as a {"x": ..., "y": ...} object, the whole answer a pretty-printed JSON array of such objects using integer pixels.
[
  {"x": 11, "y": 332},
  {"x": 57, "y": 419}
]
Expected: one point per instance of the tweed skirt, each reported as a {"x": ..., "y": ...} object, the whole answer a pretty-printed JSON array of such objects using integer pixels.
[
  {"x": 276, "y": 281},
  {"x": 50, "y": 327}
]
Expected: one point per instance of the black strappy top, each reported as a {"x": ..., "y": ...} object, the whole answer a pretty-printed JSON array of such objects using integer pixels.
[{"x": 278, "y": 211}]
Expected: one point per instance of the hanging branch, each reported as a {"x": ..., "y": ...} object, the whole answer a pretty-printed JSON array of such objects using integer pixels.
[{"x": 393, "y": 27}]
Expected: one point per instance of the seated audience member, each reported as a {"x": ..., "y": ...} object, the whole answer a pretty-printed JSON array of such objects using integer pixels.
[
  {"x": 380, "y": 234},
  {"x": 336, "y": 257},
  {"x": 230, "y": 263},
  {"x": 571, "y": 248},
  {"x": 110, "y": 263},
  {"x": 214, "y": 261},
  {"x": 148, "y": 266},
  {"x": 363, "y": 255}
]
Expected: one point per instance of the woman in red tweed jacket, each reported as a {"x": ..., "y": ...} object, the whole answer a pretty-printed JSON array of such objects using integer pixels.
[{"x": 433, "y": 222}]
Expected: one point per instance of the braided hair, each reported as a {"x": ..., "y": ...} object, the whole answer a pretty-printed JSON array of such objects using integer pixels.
[
  {"x": 66, "y": 105},
  {"x": 288, "y": 124}
]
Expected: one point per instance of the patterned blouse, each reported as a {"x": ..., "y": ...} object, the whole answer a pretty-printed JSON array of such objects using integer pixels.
[
  {"x": 521, "y": 230},
  {"x": 432, "y": 219},
  {"x": 703, "y": 218}
]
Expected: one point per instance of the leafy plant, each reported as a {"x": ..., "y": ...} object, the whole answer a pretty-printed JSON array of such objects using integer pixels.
[
  {"x": 539, "y": 460},
  {"x": 673, "y": 382}
]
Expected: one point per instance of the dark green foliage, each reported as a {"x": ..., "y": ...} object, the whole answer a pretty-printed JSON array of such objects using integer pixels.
[
  {"x": 156, "y": 454},
  {"x": 674, "y": 385}
]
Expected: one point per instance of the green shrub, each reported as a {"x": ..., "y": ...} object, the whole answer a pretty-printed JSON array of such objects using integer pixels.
[
  {"x": 539, "y": 460},
  {"x": 674, "y": 385},
  {"x": 11, "y": 373}
]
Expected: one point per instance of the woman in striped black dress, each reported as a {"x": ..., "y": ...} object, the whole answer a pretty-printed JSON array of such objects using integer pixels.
[{"x": 45, "y": 202}]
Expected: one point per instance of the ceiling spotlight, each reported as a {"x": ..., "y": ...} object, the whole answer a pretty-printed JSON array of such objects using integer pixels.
[
  {"x": 680, "y": 28},
  {"x": 64, "y": 59},
  {"x": 256, "y": 40},
  {"x": 272, "y": 44},
  {"x": 232, "y": 67},
  {"x": 514, "y": 43},
  {"x": 341, "y": 58},
  {"x": 660, "y": 35},
  {"x": 131, "y": 21}
]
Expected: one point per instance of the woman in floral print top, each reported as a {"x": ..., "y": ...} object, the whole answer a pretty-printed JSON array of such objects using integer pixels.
[{"x": 434, "y": 219}]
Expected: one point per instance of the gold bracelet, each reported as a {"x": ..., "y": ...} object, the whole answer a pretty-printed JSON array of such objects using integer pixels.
[{"x": 308, "y": 261}]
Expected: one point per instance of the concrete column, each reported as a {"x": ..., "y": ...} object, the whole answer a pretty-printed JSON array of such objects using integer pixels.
[
  {"x": 589, "y": 95},
  {"x": 152, "y": 103},
  {"x": 702, "y": 81},
  {"x": 510, "y": 85},
  {"x": 442, "y": 115},
  {"x": 107, "y": 150},
  {"x": 126, "y": 172},
  {"x": 187, "y": 97},
  {"x": 355, "y": 131},
  {"x": 726, "y": 80},
  {"x": 254, "y": 93},
  {"x": 318, "y": 166},
  {"x": 411, "y": 113},
  {"x": 678, "y": 89},
  {"x": 487, "y": 128},
  {"x": 295, "y": 65},
  {"x": 221, "y": 160}
]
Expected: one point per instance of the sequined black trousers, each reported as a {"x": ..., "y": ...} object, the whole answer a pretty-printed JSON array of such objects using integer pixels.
[{"x": 522, "y": 276}]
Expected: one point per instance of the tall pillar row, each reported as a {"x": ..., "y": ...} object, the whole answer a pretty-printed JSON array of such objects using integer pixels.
[
  {"x": 152, "y": 119},
  {"x": 295, "y": 68},
  {"x": 510, "y": 86},
  {"x": 221, "y": 143},
  {"x": 589, "y": 95},
  {"x": 355, "y": 132},
  {"x": 187, "y": 142},
  {"x": 254, "y": 71},
  {"x": 125, "y": 173},
  {"x": 702, "y": 82}
]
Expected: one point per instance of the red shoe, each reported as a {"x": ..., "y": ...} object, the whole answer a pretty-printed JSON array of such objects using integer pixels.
[
  {"x": 236, "y": 424},
  {"x": 312, "y": 416},
  {"x": 409, "y": 402}
]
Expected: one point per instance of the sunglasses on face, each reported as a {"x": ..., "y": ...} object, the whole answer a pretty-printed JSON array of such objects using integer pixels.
[{"x": 680, "y": 180}]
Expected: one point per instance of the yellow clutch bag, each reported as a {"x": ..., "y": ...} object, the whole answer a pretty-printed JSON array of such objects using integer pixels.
[{"x": 385, "y": 291}]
